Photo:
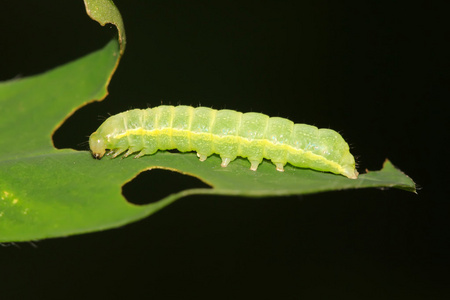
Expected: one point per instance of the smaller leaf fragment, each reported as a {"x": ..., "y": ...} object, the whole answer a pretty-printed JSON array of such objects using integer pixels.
[{"x": 104, "y": 12}]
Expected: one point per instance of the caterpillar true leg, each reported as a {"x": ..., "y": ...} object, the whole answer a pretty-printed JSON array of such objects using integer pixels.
[
  {"x": 140, "y": 154},
  {"x": 128, "y": 153},
  {"x": 117, "y": 152}
]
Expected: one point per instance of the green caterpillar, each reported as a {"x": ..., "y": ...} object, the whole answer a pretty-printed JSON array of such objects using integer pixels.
[{"x": 225, "y": 132}]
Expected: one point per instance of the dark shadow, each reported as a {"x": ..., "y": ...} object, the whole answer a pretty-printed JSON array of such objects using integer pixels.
[
  {"x": 75, "y": 131},
  {"x": 153, "y": 185}
]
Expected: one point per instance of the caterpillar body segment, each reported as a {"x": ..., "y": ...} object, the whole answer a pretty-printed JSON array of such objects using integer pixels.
[{"x": 225, "y": 132}]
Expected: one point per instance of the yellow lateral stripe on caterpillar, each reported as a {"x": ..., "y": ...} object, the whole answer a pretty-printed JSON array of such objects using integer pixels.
[
  {"x": 238, "y": 139},
  {"x": 227, "y": 133}
]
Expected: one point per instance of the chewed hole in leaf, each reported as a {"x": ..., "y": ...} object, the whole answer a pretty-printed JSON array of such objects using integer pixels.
[
  {"x": 154, "y": 185},
  {"x": 74, "y": 131}
]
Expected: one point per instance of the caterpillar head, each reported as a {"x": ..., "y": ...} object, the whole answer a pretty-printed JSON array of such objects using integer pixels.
[{"x": 97, "y": 145}]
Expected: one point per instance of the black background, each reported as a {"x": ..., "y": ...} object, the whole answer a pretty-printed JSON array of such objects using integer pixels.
[{"x": 373, "y": 70}]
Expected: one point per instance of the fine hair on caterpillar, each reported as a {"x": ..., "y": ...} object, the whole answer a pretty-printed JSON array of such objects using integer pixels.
[{"x": 227, "y": 133}]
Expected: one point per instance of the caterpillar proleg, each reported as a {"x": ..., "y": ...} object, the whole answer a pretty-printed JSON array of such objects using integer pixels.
[{"x": 225, "y": 132}]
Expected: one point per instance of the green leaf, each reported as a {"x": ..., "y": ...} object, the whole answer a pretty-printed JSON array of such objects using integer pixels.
[
  {"x": 34, "y": 176},
  {"x": 105, "y": 12},
  {"x": 45, "y": 192}
]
